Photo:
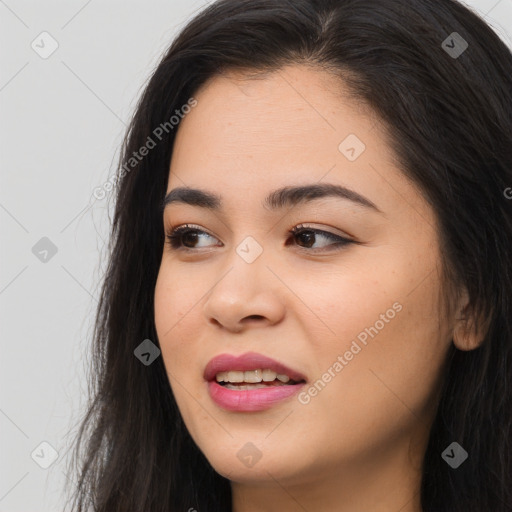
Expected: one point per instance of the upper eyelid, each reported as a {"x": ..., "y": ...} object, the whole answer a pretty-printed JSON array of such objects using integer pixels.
[
  {"x": 191, "y": 227},
  {"x": 297, "y": 228},
  {"x": 301, "y": 226}
]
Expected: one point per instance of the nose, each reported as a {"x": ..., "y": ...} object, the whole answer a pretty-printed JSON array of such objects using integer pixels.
[{"x": 246, "y": 295}]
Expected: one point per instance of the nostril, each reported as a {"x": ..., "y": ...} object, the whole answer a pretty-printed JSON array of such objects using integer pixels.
[{"x": 254, "y": 317}]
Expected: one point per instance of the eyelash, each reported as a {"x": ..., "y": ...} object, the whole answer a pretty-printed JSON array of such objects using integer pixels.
[{"x": 173, "y": 238}]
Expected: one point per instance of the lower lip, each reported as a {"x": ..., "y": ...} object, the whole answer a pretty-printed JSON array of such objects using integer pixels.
[{"x": 250, "y": 399}]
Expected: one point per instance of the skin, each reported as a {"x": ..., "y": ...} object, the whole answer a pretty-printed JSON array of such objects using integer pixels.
[{"x": 358, "y": 444}]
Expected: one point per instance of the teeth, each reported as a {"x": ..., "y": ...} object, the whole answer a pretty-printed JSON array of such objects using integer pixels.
[
  {"x": 251, "y": 377},
  {"x": 236, "y": 376},
  {"x": 269, "y": 375}
]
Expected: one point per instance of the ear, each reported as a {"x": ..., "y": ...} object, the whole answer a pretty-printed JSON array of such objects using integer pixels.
[{"x": 470, "y": 327}]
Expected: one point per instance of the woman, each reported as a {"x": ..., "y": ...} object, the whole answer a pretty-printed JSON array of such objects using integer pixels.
[{"x": 308, "y": 301}]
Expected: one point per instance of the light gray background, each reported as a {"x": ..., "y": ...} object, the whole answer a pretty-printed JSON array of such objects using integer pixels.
[{"x": 61, "y": 122}]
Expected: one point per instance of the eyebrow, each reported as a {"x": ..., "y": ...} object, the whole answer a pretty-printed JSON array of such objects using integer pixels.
[{"x": 276, "y": 200}]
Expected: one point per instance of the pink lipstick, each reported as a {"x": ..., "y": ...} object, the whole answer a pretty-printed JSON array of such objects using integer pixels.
[{"x": 250, "y": 382}]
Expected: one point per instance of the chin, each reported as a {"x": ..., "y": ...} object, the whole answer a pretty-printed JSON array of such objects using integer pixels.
[{"x": 245, "y": 461}]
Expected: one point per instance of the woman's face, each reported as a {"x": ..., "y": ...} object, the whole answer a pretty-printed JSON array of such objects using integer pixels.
[{"x": 357, "y": 321}]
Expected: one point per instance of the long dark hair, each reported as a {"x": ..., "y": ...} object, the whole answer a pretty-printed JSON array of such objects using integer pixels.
[{"x": 448, "y": 117}]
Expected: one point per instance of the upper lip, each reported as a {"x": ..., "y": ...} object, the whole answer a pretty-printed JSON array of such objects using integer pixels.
[{"x": 246, "y": 362}]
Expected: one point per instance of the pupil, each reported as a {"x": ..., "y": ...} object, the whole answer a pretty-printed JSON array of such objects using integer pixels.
[
  {"x": 192, "y": 235},
  {"x": 309, "y": 236}
]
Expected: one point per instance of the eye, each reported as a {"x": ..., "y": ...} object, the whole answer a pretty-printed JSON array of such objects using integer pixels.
[
  {"x": 184, "y": 237},
  {"x": 309, "y": 237},
  {"x": 187, "y": 236}
]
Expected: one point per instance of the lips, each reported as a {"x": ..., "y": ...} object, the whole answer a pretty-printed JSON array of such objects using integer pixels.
[
  {"x": 247, "y": 362},
  {"x": 250, "y": 397}
]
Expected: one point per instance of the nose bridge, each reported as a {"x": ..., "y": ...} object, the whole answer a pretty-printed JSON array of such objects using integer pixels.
[
  {"x": 243, "y": 274},
  {"x": 246, "y": 264},
  {"x": 244, "y": 287}
]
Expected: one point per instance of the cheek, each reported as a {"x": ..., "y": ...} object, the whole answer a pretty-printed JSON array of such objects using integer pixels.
[
  {"x": 390, "y": 365},
  {"x": 176, "y": 299},
  {"x": 176, "y": 343},
  {"x": 387, "y": 331},
  {"x": 174, "y": 307},
  {"x": 340, "y": 305}
]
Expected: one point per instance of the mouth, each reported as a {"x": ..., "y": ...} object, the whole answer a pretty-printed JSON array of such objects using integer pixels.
[
  {"x": 253, "y": 379},
  {"x": 250, "y": 382}
]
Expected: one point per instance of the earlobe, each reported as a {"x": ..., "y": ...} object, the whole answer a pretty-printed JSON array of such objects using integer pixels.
[
  {"x": 464, "y": 338},
  {"x": 470, "y": 328}
]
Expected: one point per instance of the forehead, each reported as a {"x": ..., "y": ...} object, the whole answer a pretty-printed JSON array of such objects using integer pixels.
[
  {"x": 294, "y": 108},
  {"x": 288, "y": 114},
  {"x": 287, "y": 127}
]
